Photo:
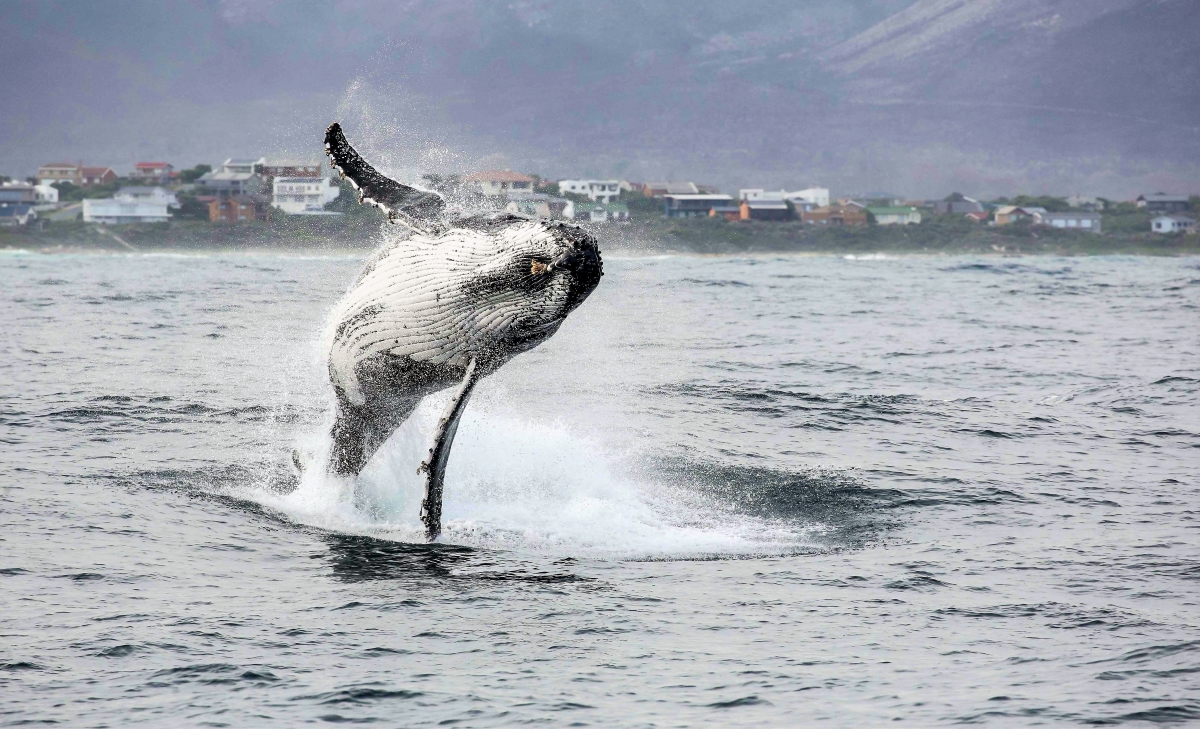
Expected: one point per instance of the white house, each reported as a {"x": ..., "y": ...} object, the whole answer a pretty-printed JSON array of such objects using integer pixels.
[
  {"x": 147, "y": 194},
  {"x": 303, "y": 195},
  {"x": 603, "y": 212},
  {"x": 1173, "y": 224},
  {"x": 45, "y": 194},
  {"x": 501, "y": 183},
  {"x": 112, "y": 210},
  {"x": 818, "y": 196},
  {"x": 1074, "y": 220},
  {"x": 131, "y": 205},
  {"x": 244, "y": 165},
  {"x": 601, "y": 190},
  {"x": 541, "y": 205},
  {"x": 896, "y": 215},
  {"x": 812, "y": 197}
]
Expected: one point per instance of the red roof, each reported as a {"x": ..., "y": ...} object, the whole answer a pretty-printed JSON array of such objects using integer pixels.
[
  {"x": 96, "y": 171},
  {"x": 497, "y": 176},
  {"x": 151, "y": 165}
]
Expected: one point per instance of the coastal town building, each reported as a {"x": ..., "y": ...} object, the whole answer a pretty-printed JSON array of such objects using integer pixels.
[
  {"x": 1073, "y": 220},
  {"x": 238, "y": 209},
  {"x": 18, "y": 193},
  {"x": 541, "y": 205},
  {"x": 152, "y": 172},
  {"x": 274, "y": 168},
  {"x": 1009, "y": 214},
  {"x": 1173, "y": 224},
  {"x": 841, "y": 213},
  {"x": 1161, "y": 202},
  {"x": 230, "y": 180},
  {"x": 761, "y": 209},
  {"x": 604, "y": 212},
  {"x": 731, "y": 213},
  {"x": 903, "y": 215},
  {"x": 303, "y": 195},
  {"x": 76, "y": 174},
  {"x": 979, "y": 217},
  {"x": 155, "y": 194},
  {"x": 98, "y": 176},
  {"x": 807, "y": 199},
  {"x": 692, "y": 205},
  {"x": 601, "y": 190},
  {"x": 817, "y": 196},
  {"x": 956, "y": 204},
  {"x": 131, "y": 205},
  {"x": 500, "y": 183},
  {"x": 60, "y": 172},
  {"x": 16, "y": 214},
  {"x": 45, "y": 195},
  {"x": 244, "y": 165},
  {"x": 659, "y": 189}
]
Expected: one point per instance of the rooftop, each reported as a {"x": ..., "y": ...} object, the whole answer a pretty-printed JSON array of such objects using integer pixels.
[
  {"x": 674, "y": 188},
  {"x": 766, "y": 204},
  {"x": 698, "y": 197},
  {"x": 222, "y": 176},
  {"x": 151, "y": 165}
]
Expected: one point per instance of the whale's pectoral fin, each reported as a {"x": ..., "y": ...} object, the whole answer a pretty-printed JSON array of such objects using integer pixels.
[
  {"x": 434, "y": 467},
  {"x": 416, "y": 208}
]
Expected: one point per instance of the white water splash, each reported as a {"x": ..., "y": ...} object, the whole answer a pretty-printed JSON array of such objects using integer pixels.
[{"x": 515, "y": 484}]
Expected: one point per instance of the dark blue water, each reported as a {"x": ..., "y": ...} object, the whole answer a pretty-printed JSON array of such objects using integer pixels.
[{"x": 730, "y": 492}]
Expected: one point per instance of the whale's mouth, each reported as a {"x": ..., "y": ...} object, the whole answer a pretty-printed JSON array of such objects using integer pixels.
[{"x": 584, "y": 264}]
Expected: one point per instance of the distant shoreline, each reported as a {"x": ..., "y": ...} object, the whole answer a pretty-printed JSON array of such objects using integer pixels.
[{"x": 362, "y": 234}]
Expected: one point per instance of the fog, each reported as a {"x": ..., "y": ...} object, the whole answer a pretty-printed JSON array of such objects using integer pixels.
[{"x": 987, "y": 97}]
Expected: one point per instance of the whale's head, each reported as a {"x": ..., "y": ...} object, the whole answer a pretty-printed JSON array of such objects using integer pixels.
[{"x": 532, "y": 273}]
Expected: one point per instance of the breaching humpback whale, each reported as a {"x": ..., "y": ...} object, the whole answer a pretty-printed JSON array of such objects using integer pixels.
[{"x": 446, "y": 306}]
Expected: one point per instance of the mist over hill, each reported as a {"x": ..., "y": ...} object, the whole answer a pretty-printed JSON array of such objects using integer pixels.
[{"x": 984, "y": 96}]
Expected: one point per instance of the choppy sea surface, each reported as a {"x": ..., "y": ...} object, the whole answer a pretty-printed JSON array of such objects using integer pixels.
[{"x": 735, "y": 491}]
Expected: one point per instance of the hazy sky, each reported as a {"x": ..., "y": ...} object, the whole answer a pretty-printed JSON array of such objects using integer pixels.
[{"x": 914, "y": 98}]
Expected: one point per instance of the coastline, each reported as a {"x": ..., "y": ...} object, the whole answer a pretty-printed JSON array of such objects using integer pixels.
[{"x": 361, "y": 234}]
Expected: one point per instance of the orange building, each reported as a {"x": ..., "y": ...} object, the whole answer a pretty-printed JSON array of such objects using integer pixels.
[{"x": 238, "y": 209}]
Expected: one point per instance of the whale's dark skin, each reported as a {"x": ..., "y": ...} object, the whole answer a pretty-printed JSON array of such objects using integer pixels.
[{"x": 444, "y": 307}]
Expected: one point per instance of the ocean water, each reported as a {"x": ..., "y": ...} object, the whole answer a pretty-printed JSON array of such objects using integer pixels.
[{"x": 732, "y": 491}]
